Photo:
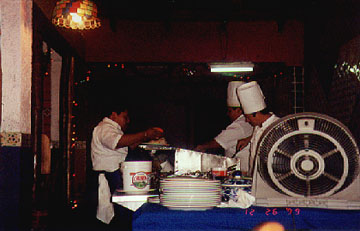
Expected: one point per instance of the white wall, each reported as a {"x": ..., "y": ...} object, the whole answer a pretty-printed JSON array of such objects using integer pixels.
[{"x": 16, "y": 56}]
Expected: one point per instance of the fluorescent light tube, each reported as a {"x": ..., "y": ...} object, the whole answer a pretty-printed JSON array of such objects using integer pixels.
[{"x": 232, "y": 67}]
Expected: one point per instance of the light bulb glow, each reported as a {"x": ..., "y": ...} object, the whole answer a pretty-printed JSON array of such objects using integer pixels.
[
  {"x": 76, "y": 18},
  {"x": 76, "y": 14}
]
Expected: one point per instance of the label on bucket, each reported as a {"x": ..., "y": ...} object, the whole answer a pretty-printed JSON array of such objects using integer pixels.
[{"x": 140, "y": 179}]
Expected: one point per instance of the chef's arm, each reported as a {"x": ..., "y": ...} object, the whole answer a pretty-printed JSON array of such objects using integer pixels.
[
  {"x": 208, "y": 145},
  {"x": 137, "y": 138},
  {"x": 242, "y": 143}
]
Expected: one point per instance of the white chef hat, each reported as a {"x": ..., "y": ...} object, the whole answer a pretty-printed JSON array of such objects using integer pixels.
[
  {"x": 232, "y": 98},
  {"x": 251, "y": 97}
]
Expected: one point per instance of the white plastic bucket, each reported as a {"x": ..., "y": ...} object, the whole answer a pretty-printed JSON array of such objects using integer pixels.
[{"x": 136, "y": 176}]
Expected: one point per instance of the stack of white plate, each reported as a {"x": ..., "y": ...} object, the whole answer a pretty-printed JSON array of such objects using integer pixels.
[{"x": 188, "y": 193}]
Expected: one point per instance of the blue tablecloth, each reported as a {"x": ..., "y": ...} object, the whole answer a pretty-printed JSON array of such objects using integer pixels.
[{"x": 153, "y": 217}]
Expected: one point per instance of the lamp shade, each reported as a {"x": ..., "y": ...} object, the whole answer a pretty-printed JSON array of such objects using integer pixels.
[{"x": 76, "y": 14}]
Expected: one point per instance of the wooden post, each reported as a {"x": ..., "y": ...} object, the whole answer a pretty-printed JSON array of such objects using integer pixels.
[
  {"x": 69, "y": 128},
  {"x": 37, "y": 97},
  {"x": 66, "y": 83}
]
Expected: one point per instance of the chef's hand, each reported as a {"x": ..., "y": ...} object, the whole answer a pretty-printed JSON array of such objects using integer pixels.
[
  {"x": 154, "y": 133},
  {"x": 241, "y": 144},
  {"x": 212, "y": 144}
]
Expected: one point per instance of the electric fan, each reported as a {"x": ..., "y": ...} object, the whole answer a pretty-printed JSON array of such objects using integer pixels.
[{"x": 307, "y": 160}]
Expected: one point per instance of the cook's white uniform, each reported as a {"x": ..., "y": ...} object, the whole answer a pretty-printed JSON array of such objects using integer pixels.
[
  {"x": 105, "y": 157},
  {"x": 258, "y": 131},
  {"x": 237, "y": 130}
]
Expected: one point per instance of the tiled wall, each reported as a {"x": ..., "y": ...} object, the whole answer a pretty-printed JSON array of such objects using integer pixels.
[{"x": 15, "y": 139}]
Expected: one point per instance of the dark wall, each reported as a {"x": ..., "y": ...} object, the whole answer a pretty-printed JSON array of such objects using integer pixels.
[
  {"x": 329, "y": 42},
  {"x": 204, "y": 41},
  {"x": 184, "y": 99}
]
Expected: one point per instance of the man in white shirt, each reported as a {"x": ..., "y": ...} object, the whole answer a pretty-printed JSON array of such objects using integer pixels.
[
  {"x": 109, "y": 148},
  {"x": 238, "y": 129},
  {"x": 256, "y": 113}
]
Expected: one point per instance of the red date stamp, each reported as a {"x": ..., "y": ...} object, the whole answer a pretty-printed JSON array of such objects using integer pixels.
[{"x": 274, "y": 211}]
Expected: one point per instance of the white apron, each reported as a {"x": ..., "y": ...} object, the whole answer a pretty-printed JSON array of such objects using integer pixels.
[{"x": 105, "y": 209}]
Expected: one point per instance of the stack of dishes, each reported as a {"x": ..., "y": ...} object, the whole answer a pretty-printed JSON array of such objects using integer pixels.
[{"x": 188, "y": 193}]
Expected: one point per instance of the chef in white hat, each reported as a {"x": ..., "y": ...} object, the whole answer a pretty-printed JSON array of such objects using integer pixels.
[
  {"x": 238, "y": 129},
  {"x": 253, "y": 103}
]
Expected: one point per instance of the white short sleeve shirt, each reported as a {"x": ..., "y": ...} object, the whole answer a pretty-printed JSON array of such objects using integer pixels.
[
  {"x": 258, "y": 131},
  {"x": 237, "y": 130},
  {"x": 104, "y": 155}
]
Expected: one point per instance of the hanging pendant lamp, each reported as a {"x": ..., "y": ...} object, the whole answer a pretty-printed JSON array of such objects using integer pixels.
[{"x": 76, "y": 14}]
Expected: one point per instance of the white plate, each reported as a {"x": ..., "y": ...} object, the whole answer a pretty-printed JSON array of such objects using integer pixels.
[
  {"x": 176, "y": 196},
  {"x": 236, "y": 185},
  {"x": 135, "y": 192},
  {"x": 190, "y": 200},
  {"x": 190, "y": 208},
  {"x": 189, "y": 205},
  {"x": 154, "y": 200}
]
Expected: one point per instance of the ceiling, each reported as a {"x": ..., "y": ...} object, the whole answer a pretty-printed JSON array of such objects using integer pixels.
[
  {"x": 227, "y": 10},
  {"x": 217, "y": 10},
  {"x": 201, "y": 10},
  {"x": 332, "y": 20}
]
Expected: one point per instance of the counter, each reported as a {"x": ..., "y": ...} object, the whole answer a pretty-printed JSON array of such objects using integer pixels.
[
  {"x": 131, "y": 201},
  {"x": 153, "y": 217}
]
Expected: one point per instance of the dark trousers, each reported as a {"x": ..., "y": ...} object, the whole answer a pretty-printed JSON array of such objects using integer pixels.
[
  {"x": 114, "y": 179},
  {"x": 123, "y": 216}
]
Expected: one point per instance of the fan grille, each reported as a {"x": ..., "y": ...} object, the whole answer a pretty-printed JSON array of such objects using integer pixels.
[{"x": 308, "y": 163}]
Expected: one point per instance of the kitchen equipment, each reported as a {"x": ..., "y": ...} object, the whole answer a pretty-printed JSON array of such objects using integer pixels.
[
  {"x": 307, "y": 160},
  {"x": 192, "y": 161},
  {"x": 136, "y": 176},
  {"x": 146, "y": 146},
  {"x": 219, "y": 172}
]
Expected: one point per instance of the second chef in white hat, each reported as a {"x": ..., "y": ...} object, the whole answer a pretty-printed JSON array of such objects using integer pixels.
[
  {"x": 253, "y": 103},
  {"x": 238, "y": 129}
]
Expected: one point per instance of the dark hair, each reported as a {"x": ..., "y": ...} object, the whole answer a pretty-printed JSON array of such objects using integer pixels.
[
  {"x": 263, "y": 111},
  {"x": 117, "y": 107}
]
